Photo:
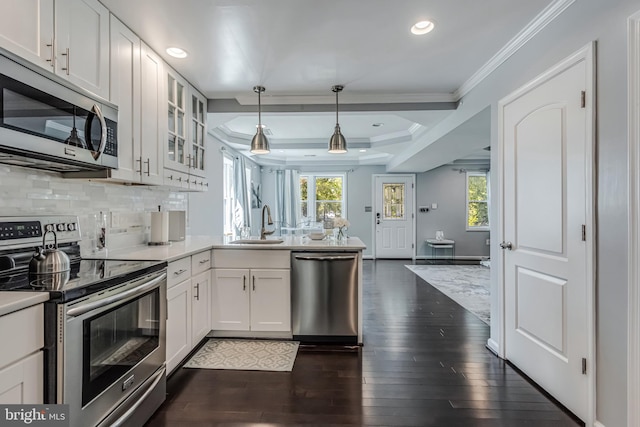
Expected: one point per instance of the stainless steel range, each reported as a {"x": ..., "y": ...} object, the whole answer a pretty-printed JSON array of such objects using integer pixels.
[{"x": 105, "y": 323}]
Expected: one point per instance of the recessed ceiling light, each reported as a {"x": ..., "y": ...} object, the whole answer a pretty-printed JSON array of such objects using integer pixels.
[
  {"x": 176, "y": 52},
  {"x": 362, "y": 150},
  {"x": 422, "y": 27},
  {"x": 377, "y": 125}
]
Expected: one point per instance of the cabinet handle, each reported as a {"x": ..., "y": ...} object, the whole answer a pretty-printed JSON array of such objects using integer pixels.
[
  {"x": 148, "y": 163},
  {"x": 180, "y": 178},
  {"x": 52, "y": 53},
  {"x": 194, "y": 181},
  {"x": 254, "y": 283},
  {"x": 139, "y": 160},
  {"x": 170, "y": 177},
  {"x": 197, "y": 297},
  {"x": 66, "y": 53},
  {"x": 244, "y": 282},
  {"x": 204, "y": 261},
  {"x": 179, "y": 272}
]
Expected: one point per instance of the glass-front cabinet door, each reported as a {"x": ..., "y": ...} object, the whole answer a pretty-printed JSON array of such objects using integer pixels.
[
  {"x": 197, "y": 133},
  {"x": 178, "y": 155}
]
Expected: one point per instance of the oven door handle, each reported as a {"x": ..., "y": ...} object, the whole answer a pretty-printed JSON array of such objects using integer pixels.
[{"x": 138, "y": 290}]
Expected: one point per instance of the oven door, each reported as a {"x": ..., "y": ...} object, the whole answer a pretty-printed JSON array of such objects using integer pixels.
[{"x": 112, "y": 342}]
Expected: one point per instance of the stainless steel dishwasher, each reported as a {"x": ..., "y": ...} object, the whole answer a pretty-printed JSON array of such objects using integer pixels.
[{"x": 324, "y": 297}]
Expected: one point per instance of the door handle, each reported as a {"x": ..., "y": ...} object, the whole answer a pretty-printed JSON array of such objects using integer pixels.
[
  {"x": 254, "y": 283},
  {"x": 506, "y": 245},
  {"x": 66, "y": 53},
  {"x": 244, "y": 283}
]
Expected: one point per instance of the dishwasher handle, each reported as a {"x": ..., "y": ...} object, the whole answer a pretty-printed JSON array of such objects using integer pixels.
[{"x": 325, "y": 257}]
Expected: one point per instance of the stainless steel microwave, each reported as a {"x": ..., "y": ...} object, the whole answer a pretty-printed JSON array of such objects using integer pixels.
[{"x": 47, "y": 123}]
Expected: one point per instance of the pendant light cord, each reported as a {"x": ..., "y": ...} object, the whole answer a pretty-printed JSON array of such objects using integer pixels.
[
  {"x": 259, "y": 110},
  {"x": 337, "y": 108}
]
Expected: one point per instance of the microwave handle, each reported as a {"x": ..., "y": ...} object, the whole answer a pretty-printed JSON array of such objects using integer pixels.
[{"x": 95, "y": 110}]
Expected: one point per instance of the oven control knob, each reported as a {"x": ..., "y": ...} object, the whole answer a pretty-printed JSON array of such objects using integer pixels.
[
  {"x": 48, "y": 227},
  {"x": 61, "y": 227},
  {"x": 71, "y": 226}
]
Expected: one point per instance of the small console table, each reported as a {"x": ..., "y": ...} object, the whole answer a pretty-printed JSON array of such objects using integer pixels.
[{"x": 442, "y": 245}]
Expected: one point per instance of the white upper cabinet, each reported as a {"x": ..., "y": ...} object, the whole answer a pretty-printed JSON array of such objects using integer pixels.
[
  {"x": 136, "y": 87},
  {"x": 197, "y": 131},
  {"x": 82, "y": 44},
  {"x": 68, "y": 37},
  {"x": 153, "y": 118},
  {"x": 125, "y": 93},
  {"x": 178, "y": 154},
  {"x": 26, "y": 29}
]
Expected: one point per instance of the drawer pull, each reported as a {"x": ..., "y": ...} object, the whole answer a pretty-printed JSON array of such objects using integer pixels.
[
  {"x": 204, "y": 261},
  {"x": 179, "y": 272}
]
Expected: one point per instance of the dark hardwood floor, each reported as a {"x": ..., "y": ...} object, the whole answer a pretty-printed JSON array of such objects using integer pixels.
[{"x": 424, "y": 363}]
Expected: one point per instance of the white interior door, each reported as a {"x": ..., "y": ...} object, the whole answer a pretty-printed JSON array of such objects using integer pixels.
[
  {"x": 547, "y": 179},
  {"x": 394, "y": 216}
]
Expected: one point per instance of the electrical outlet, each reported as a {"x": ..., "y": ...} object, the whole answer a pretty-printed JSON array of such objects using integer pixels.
[
  {"x": 487, "y": 242},
  {"x": 115, "y": 220}
]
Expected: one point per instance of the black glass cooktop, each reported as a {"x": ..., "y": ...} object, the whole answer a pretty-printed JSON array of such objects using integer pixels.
[{"x": 85, "y": 277}]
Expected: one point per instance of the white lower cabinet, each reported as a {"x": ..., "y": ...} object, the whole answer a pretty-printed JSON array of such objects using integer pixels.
[
  {"x": 179, "y": 309},
  {"x": 21, "y": 358},
  {"x": 200, "y": 318},
  {"x": 251, "y": 300},
  {"x": 188, "y": 311},
  {"x": 22, "y": 382}
]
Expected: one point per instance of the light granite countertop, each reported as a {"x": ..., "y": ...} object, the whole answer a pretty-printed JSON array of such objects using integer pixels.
[
  {"x": 195, "y": 244},
  {"x": 14, "y": 301}
]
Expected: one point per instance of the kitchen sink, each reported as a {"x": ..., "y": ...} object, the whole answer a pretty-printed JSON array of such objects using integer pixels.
[{"x": 256, "y": 241}]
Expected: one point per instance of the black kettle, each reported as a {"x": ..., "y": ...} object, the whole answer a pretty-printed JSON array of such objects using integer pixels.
[{"x": 48, "y": 258}]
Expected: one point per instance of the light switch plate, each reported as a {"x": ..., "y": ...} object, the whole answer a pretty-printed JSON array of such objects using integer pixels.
[{"x": 434, "y": 206}]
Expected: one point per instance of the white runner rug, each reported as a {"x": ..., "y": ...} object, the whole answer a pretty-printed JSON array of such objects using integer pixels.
[
  {"x": 468, "y": 285},
  {"x": 248, "y": 355}
]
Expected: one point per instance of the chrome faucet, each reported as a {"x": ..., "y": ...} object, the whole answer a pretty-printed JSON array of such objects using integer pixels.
[{"x": 263, "y": 231}]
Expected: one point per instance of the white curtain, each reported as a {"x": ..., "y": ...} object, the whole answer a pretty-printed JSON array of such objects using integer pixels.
[
  {"x": 287, "y": 198},
  {"x": 242, "y": 206}
]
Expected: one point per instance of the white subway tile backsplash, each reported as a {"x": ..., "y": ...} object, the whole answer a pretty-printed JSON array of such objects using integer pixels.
[{"x": 28, "y": 191}]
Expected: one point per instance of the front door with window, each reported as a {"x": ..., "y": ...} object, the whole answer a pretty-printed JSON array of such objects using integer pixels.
[{"x": 394, "y": 216}]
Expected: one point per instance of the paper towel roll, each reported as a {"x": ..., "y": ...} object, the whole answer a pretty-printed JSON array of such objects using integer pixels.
[{"x": 159, "y": 227}]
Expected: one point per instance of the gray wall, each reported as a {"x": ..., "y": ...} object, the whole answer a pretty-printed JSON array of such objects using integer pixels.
[
  {"x": 583, "y": 22},
  {"x": 206, "y": 211},
  {"x": 446, "y": 187}
]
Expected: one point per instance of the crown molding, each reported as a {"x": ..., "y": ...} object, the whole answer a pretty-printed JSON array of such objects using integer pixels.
[{"x": 538, "y": 23}]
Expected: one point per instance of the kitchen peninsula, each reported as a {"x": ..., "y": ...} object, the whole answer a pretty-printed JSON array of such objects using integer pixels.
[{"x": 216, "y": 287}]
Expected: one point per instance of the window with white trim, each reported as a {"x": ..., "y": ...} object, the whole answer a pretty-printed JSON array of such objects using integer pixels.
[
  {"x": 477, "y": 201},
  {"x": 228, "y": 202},
  {"x": 322, "y": 196}
]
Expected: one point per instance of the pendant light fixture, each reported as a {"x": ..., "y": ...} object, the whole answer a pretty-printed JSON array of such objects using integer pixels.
[
  {"x": 259, "y": 143},
  {"x": 337, "y": 143}
]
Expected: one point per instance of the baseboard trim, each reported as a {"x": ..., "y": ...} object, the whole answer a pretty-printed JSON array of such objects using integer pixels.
[
  {"x": 493, "y": 346},
  {"x": 462, "y": 257}
]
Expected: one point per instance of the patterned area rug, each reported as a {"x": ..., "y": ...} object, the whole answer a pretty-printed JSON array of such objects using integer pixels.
[
  {"x": 248, "y": 355},
  {"x": 468, "y": 285}
]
